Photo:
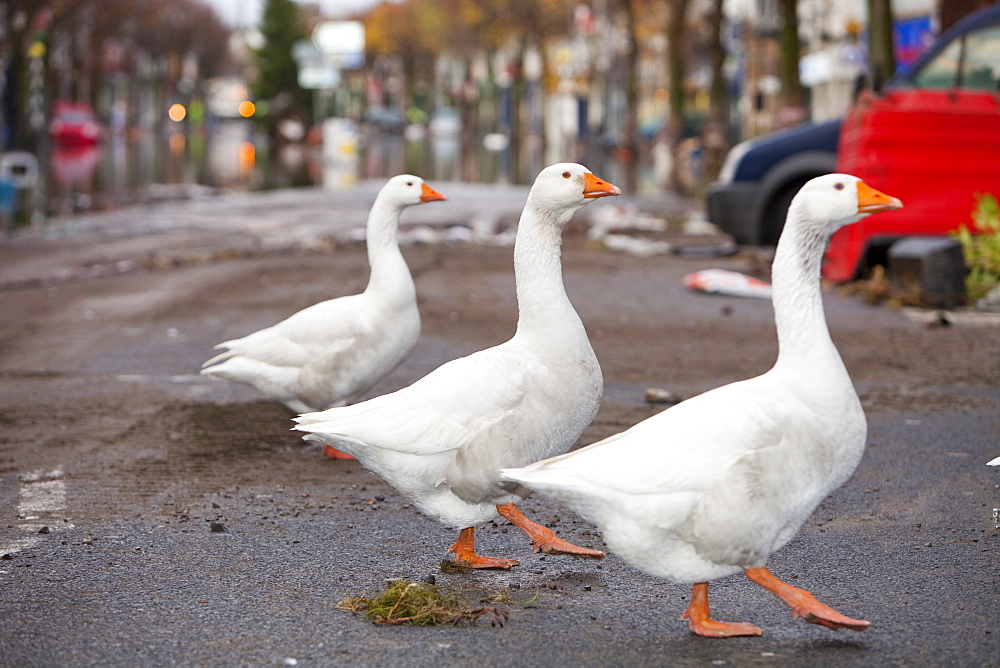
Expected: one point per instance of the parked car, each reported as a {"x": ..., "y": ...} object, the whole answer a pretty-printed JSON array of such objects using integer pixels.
[
  {"x": 74, "y": 124},
  {"x": 932, "y": 139},
  {"x": 934, "y": 123},
  {"x": 760, "y": 176}
]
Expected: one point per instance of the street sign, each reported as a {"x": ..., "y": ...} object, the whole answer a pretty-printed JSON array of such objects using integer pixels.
[{"x": 342, "y": 43}]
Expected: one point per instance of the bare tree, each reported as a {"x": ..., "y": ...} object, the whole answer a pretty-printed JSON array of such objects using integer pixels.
[
  {"x": 792, "y": 94},
  {"x": 628, "y": 10},
  {"x": 713, "y": 133},
  {"x": 881, "y": 60},
  {"x": 675, "y": 66}
]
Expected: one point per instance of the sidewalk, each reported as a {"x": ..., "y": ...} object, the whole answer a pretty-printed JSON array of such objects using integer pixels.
[{"x": 301, "y": 219}]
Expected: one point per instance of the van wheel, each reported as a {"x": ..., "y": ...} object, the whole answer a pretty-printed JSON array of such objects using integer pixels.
[{"x": 774, "y": 215}]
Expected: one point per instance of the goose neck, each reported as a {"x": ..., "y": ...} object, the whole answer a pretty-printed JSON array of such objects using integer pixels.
[
  {"x": 386, "y": 262},
  {"x": 541, "y": 295},
  {"x": 382, "y": 226},
  {"x": 798, "y": 303}
]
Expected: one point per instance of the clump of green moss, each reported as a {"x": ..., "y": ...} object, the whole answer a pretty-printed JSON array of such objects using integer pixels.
[{"x": 424, "y": 604}]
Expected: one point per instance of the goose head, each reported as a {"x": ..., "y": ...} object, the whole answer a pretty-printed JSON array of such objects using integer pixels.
[
  {"x": 834, "y": 200},
  {"x": 407, "y": 190},
  {"x": 567, "y": 186}
]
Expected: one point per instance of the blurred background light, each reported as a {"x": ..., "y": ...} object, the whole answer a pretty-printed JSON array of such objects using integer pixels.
[{"x": 177, "y": 112}]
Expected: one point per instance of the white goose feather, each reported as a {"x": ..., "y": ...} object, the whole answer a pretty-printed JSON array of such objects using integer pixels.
[
  {"x": 715, "y": 484},
  {"x": 443, "y": 440},
  {"x": 332, "y": 352}
]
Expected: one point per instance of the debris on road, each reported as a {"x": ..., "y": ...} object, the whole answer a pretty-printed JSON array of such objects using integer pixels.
[
  {"x": 661, "y": 395},
  {"x": 425, "y": 604},
  {"x": 731, "y": 283}
]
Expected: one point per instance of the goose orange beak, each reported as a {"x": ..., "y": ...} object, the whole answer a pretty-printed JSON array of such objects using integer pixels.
[
  {"x": 873, "y": 201},
  {"x": 595, "y": 187},
  {"x": 428, "y": 194}
]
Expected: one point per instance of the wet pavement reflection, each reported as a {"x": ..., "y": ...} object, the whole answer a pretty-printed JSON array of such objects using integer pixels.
[{"x": 145, "y": 166}]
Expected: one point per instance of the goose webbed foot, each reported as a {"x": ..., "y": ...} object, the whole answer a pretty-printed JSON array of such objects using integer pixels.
[
  {"x": 466, "y": 557},
  {"x": 544, "y": 539},
  {"x": 804, "y": 604},
  {"x": 701, "y": 623}
]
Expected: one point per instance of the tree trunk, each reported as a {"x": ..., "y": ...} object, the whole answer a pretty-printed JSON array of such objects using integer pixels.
[
  {"x": 630, "y": 131},
  {"x": 675, "y": 67},
  {"x": 792, "y": 94},
  {"x": 675, "y": 71},
  {"x": 714, "y": 133},
  {"x": 881, "y": 60}
]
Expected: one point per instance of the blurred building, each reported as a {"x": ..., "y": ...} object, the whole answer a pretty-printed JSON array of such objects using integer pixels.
[{"x": 834, "y": 54}]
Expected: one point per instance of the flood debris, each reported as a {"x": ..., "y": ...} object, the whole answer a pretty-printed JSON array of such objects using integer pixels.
[
  {"x": 425, "y": 604},
  {"x": 725, "y": 282},
  {"x": 661, "y": 395},
  {"x": 990, "y": 301},
  {"x": 877, "y": 289},
  {"x": 621, "y": 218},
  {"x": 638, "y": 246}
]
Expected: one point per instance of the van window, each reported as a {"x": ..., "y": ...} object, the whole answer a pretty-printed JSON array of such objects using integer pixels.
[{"x": 972, "y": 61}]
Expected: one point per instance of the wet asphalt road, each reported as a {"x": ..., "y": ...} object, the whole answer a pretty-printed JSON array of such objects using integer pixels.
[
  {"x": 119, "y": 592},
  {"x": 138, "y": 576}
]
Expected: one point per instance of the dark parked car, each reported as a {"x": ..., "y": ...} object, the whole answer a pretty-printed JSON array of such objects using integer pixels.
[{"x": 760, "y": 176}]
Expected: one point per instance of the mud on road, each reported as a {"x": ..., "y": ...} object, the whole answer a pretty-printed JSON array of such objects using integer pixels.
[{"x": 101, "y": 396}]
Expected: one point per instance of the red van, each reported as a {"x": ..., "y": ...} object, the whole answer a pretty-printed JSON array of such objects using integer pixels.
[{"x": 930, "y": 138}]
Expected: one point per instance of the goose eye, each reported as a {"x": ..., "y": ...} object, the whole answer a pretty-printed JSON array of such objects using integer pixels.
[
  {"x": 409, "y": 183},
  {"x": 566, "y": 175},
  {"x": 839, "y": 186}
]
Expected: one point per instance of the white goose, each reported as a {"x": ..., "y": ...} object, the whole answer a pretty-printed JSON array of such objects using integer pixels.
[
  {"x": 443, "y": 440},
  {"x": 715, "y": 484},
  {"x": 331, "y": 352}
]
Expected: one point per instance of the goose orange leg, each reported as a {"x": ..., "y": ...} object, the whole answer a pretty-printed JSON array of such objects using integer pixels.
[
  {"x": 804, "y": 604},
  {"x": 465, "y": 553},
  {"x": 333, "y": 453},
  {"x": 701, "y": 623},
  {"x": 544, "y": 539}
]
